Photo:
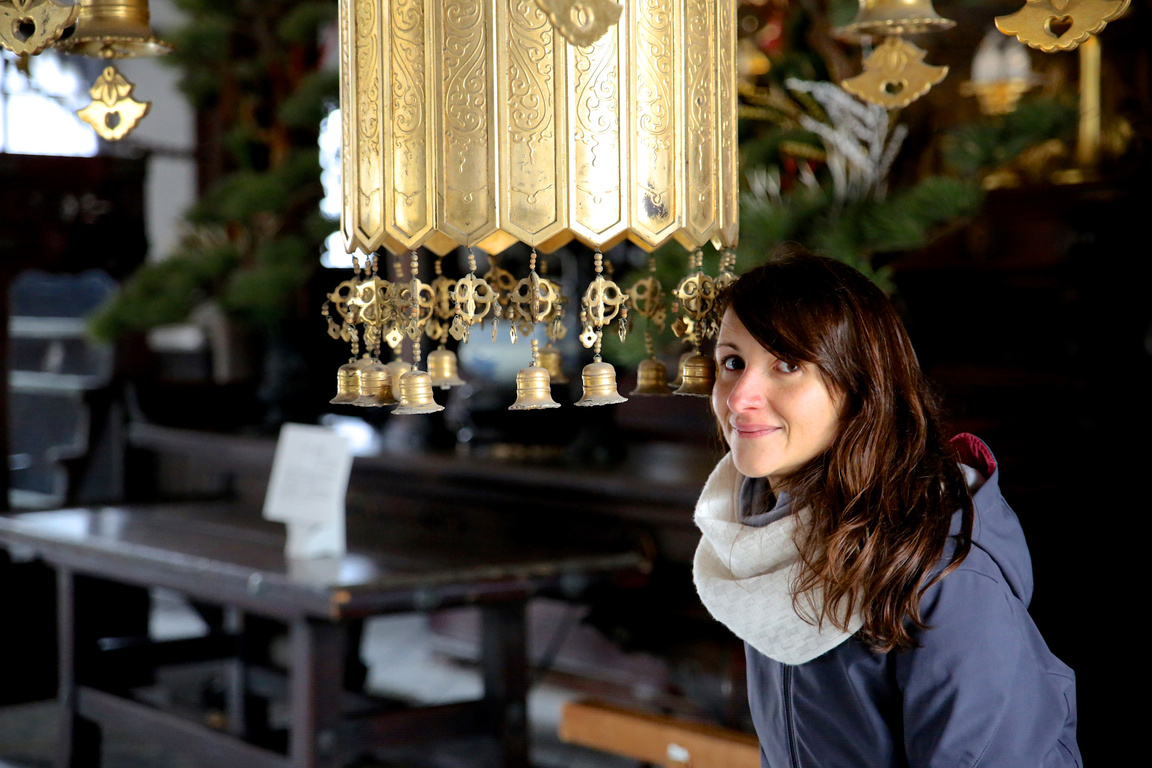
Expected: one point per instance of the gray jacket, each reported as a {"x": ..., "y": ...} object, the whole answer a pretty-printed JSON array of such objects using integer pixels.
[{"x": 982, "y": 688}]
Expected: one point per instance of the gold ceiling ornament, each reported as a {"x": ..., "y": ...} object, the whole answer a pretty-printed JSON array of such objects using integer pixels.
[
  {"x": 27, "y": 27},
  {"x": 895, "y": 75},
  {"x": 698, "y": 376},
  {"x": 113, "y": 112},
  {"x": 473, "y": 123},
  {"x": 115, "y": 29},
  {"x": 883, "y": 18},
  {"x": 442, "y": 363},
  {"x": 647, "y": 299},
  {"x": 1060, "y": 25},
  {"x": 603, "y": 302},
  {"x": 581, "y": 22},
  {"x": 533, "y": 386},
  {"x": 473, "y": 298}
]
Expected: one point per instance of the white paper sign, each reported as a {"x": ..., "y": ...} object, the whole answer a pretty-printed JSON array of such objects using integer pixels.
[{"x": 307, "y": 489}]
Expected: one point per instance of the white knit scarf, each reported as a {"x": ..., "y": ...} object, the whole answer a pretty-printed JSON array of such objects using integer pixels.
[{"x": 744, "y": 575}]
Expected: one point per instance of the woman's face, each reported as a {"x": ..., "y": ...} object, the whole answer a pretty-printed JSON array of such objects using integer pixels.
[{"x": 775, "y": 415}]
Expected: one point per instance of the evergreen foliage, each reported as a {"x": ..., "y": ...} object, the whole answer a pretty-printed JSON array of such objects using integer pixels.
[{"x": 254, "y": 237}]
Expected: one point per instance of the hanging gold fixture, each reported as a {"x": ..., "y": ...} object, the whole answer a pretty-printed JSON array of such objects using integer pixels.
[
  {"x": 115, "y": 29},
  {"x": 894, "y": 74},
  {"x": 472, "y": 123},
  {"x": 600, "y": 385},
  {"x": 651, "y": 378},
  {"x": 1060, "y": 25},
  {"x": 113, "y": 112},
  {"x": 699, "y": 376},
  {"x": 27, "y": 27}
]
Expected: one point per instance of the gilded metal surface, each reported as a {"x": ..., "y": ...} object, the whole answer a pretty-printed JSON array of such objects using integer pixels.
[
  {"x": 27, "y": 27},
  {"x": 1060, "y": 25},
  {"x": 115, "y": 29},
  {"x": 599, "y": 386},
  {"x": 113, "y": 112},
  {"x": 533, "y": 390},
  {"x": 416, "y": 394},
  {"x": 581, "y": 22},
  {"x": 895, "y": 17},
  {"x": 699, "y": 374},
  {"x": 442, "y": 367},
  {"x": 476, "y": 123},
  {"x": 651, "y": 378},
  {"x": 551, "y": 360},
  {"x": 375, "y": 385},
  {"x": 895, "y": 75}
]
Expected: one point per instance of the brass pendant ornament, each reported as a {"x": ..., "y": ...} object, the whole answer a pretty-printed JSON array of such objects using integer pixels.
[
  {"x": 113, "y": 112},
  {"x": 27, "y": 27},
  {"x": 1060, "y": 25},
  {"x": 581, "y": 22},
  {"x": 895, "y": 75}
]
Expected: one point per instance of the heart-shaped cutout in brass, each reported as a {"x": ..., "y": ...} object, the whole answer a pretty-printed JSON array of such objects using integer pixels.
[
  {"x": 112, "y": 120},
  {"x": 1058, "y": 25}
]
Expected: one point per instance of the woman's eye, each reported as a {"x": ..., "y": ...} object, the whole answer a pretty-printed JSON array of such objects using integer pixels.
[
  {"x": 732, "y": 363},
  {"x": 786, "y": 367}
]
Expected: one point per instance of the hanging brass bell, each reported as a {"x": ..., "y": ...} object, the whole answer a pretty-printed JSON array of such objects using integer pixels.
[
  {"x": 552, "y": 361},
  {"x": 675, "y": 383},
  {"x": 348, "y": 382},
  {"x": 533, "y": 390},
  {"x": 398, "y": 368},
  {"x": 416, "y": 394},
  {"x": 115, "y": 29},
  {"x": 600, "y": 385},
  {"x": 699, "y": 376},
  {"x": 894, "y": 17},
  {"x": 651, "y": 378},
  {"x": 442, "y": 369},
  {"x": 375, "y": 386}
]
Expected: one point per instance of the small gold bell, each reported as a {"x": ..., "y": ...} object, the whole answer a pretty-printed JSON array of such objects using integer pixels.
[
  {"x": 348, "y": 382},
  {"x": 442, "y": 369},
  {"x": 675, "y": 383},
  {"x": 533, "y": 390},
  {"x": 552, "y": 361},
  {"x": 651, "y": 378},
  {"x": 895, "y": 17},
  {"x": 375, "y": 386},
  {"x": 398, "y": 368},
  {"x": 600, "y": 385},
  {"x": 699, "y": 376},
  {"x": 114, "y": 29},
  {"x": 416, "y": 394}
]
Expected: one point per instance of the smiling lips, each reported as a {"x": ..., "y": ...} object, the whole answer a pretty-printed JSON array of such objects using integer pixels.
[{"x": 753, "y": 430}]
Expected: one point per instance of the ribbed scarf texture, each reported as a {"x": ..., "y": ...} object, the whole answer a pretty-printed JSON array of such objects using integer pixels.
[{"x": 744, "y": 575}]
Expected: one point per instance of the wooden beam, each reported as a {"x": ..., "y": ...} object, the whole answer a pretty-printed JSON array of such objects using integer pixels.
[{"x": 664, "y": 740}]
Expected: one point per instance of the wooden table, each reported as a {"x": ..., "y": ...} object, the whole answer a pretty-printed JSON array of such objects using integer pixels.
[{"x": 219, "y": 556}]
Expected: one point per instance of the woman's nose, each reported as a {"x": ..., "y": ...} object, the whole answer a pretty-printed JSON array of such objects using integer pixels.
[{"x": 747, "y": 393}]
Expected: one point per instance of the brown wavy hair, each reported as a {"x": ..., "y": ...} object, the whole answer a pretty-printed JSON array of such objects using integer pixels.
[{"x": 884, "y": 493}]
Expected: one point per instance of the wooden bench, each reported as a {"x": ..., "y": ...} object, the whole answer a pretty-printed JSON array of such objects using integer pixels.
[{"x": 673, "y": 742}]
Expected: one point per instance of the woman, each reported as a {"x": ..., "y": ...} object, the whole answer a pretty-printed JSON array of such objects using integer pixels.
[{"x": 878, "y": 578}]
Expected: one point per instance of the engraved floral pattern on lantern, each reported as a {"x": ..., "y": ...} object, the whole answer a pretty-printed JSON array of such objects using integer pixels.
[
  {"x": 655, "y": 204},
  {"x": 701, "y": 105},
  {"x": 596, "y": 144},
  {"x": 409, "y": 149},
  {"x": 466, "y": 105},
  {"x": 368, "y": 116}
]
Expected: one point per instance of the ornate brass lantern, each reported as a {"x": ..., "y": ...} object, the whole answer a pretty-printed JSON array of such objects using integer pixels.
[{"x": 483, "y": 124}]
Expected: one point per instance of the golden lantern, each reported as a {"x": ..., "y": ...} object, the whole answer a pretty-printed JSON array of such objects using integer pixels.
[{"x": 482, "y": 124}]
